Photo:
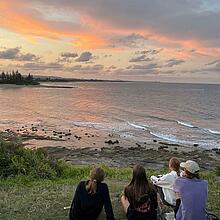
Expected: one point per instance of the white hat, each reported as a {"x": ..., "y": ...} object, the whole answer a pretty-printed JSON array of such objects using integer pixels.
[{"x": 191, "y": 166}]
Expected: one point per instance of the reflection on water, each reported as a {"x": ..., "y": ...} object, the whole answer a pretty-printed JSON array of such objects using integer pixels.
[{"x": 165, "y": 110}]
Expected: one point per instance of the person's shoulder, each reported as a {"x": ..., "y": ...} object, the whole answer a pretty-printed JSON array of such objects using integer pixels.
[
  {"x": 82, "y": 184},
  {"x": 170, "y": 175},
  {"x": 103, "y": 185},
  {"x": 204, "y": 182},
  {"x": 180, "y": 179},
  {"x": 173, "y": 173}
]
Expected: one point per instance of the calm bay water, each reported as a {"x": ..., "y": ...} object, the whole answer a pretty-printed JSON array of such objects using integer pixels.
[{"x": 179, "y": 113}]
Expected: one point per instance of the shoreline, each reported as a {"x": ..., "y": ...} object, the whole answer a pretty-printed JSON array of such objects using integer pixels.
[{"x": 89, "y": 148}]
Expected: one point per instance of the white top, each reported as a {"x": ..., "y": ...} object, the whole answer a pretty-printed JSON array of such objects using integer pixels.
[{"x": 166, "y": 183}]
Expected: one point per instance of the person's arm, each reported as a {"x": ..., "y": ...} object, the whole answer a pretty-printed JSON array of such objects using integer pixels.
[
  {"x": 108, "y": 204},
  {"x": 166, "y": 181},
  {"x": 176, "y": 208},
  {"x": 75, "y": 206}
]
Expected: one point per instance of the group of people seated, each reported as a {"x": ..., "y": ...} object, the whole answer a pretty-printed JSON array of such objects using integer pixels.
[{"x": 181, "y": 189}]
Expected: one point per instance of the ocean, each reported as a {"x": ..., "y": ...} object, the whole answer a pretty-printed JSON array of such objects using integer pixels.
[{"x": 177, "y": 113}]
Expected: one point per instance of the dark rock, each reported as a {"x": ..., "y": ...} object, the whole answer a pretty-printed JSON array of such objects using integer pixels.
[
  {"x": 60, "y": 136},
  {"x": 169, "y": 144},
  {"x": 162, "y": 147},
  {"x": 109, "y": 142},
  {"x": 195, "y": 145},
  {"x": 138, "y": 145},
  {"x": 217, "y": 151},
  {"x": 112, "y": 142},
  {"x": 155, "y": 141},
  {"x": 68, "y": 134}
]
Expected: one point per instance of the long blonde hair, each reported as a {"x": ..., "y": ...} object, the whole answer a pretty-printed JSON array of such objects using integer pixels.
[{"x": 96, "y": 176}]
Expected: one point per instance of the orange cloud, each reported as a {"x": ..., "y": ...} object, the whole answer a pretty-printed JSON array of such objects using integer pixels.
[
  {"x": 31, "y": 26},
  {"x": 89, "y": 34}
]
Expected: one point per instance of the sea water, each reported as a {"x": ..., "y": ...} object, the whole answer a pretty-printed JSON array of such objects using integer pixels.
[{"x": 177, "y": 113}]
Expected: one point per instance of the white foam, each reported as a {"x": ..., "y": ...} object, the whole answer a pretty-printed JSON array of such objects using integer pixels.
[
  {"x": 138, "y": 126},
  {"x": 213, "y": 132},
  {"x": 185, "y": 124},
  {"x": 102, "y": 126},
  {"x": 170, "y": 138}
]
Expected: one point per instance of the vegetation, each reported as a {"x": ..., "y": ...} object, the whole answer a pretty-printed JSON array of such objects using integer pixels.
[
  {"x": 17, "y": 78},
  {"x": 33, "y": 186}
]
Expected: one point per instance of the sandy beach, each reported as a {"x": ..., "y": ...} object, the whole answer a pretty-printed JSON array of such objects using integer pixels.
[{"x": 87, "y": 146}]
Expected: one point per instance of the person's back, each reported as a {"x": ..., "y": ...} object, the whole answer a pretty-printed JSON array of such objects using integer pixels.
[
  {"x": 144, "y": 207},
  {"x": 139, "y": 201},
  {"x": 164, "y": 183},
  {"x": 193, "y": 193},
  {"x": 90, "y": 197},
  {"x": 90, "y": 204}
]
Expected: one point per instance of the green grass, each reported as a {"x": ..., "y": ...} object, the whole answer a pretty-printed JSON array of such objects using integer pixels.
[
  {"x": 26, "y": 198},
  {"x": 27, "y": 194}
]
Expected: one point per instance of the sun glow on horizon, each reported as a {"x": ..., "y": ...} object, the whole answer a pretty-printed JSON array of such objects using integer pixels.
[{"x": 95, "y": 41}]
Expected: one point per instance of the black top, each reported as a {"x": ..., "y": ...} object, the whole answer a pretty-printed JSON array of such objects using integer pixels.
[
  {"x": 147, "y": 201},
  {"x": 86, "y": 206}
]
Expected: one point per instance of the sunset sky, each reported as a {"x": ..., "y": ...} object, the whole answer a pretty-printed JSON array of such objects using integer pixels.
[{"x": 159, "y": 40}]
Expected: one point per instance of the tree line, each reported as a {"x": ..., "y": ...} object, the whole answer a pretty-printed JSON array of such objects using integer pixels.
[{"x": 16, "y": 78}]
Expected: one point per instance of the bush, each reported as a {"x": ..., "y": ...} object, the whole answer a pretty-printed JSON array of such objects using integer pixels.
[
  {"x": 217, "y": 170},
  {"x": 15, "y": 160}
]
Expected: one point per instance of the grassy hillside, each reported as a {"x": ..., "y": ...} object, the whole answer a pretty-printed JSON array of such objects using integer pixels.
[{"x": 33, "y": 186}]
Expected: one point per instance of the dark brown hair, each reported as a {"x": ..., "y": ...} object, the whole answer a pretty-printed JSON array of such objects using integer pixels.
[
  {"x": 191, "y": 175},
  {"x": 96, "y": 176},
  {"x": 139, "y": 187},
  {"x": 174, "y": 164}
]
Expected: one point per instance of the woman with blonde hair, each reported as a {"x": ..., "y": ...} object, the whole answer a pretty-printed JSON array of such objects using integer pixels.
[
  {"x": 164, "y": 183},
  {"x": 139, "y": 201},
  {"x": 90, "y": 197}
]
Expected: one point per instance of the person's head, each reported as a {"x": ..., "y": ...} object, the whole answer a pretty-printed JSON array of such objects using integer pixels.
[
  {"x": 139, "y": 174},
  {"x": 174, "y": 164},
  {"x": 96, "y": 176},
  {"x": 190, "y": 168}
]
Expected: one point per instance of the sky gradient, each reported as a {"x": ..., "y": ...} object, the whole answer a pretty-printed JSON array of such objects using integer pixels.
[{"x": 172, "y": 40}]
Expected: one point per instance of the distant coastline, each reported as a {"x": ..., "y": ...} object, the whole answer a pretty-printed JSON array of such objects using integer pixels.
[
  {"x": 17, "y": 78},
  {"x": 61, "y": 79}
]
